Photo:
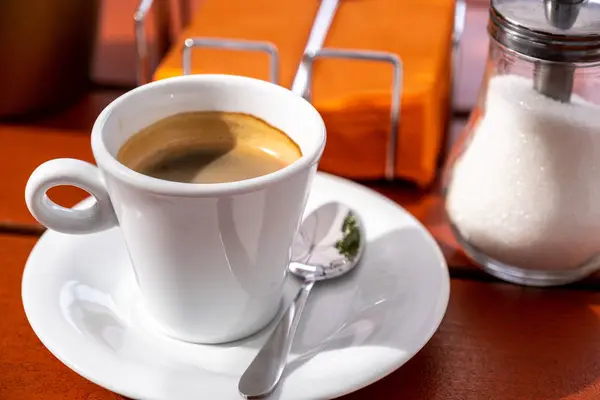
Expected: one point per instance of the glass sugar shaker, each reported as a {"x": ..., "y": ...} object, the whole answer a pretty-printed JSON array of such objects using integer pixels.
[{"x": 522, "y": 184}]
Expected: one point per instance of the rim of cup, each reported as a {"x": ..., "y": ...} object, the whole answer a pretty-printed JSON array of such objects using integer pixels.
[{"x": 110, "y": 164}]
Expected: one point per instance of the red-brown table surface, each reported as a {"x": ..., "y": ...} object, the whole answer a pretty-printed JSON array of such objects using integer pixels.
[{"x": 497, "y": 341}]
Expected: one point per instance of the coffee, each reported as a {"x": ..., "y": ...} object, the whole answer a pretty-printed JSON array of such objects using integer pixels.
[{"x": 208, "y": 147}]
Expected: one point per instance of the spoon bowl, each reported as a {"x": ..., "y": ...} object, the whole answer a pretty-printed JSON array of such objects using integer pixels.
[{"x": 329, "y": 243}]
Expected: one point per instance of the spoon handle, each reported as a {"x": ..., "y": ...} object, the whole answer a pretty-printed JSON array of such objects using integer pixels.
[{"x": 265, "y": 371}]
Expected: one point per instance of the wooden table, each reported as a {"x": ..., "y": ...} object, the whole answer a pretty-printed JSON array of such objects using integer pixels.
[{"x": 497, "y": 341}]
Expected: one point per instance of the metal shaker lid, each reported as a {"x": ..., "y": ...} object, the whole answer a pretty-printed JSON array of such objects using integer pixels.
[{"x": 552, "y": 30}]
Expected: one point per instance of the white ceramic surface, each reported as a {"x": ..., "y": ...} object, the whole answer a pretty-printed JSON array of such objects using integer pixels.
[
  {"x": 81, "y": 299},
  {"x": 209, "y": 259}
]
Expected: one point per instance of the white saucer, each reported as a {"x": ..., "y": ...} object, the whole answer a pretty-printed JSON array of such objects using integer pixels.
[{"x": 81, "y": 299}]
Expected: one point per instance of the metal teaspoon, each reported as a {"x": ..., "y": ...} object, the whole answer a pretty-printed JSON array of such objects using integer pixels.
[{"x": 329, "y": 243}]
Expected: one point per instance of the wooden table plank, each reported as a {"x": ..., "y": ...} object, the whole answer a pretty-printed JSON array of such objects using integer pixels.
[
  {"x": 24, "y": 146},
  {"x": 27, "y": 370},
  {"x": 22, "y": 151},
  {"x": 497, "y": 341},
  {"x": 500, "y": 341},
  {"x": 78, "y": 117}
]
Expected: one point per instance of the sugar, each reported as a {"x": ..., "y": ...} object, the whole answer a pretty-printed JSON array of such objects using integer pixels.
[{"x": 526, "y": 190}]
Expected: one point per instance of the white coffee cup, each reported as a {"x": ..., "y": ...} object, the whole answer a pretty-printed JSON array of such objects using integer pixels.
[{"x": 210, "y": 259}]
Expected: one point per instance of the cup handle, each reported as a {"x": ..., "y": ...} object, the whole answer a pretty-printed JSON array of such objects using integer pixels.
[{"x": 66, "y": 171}]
